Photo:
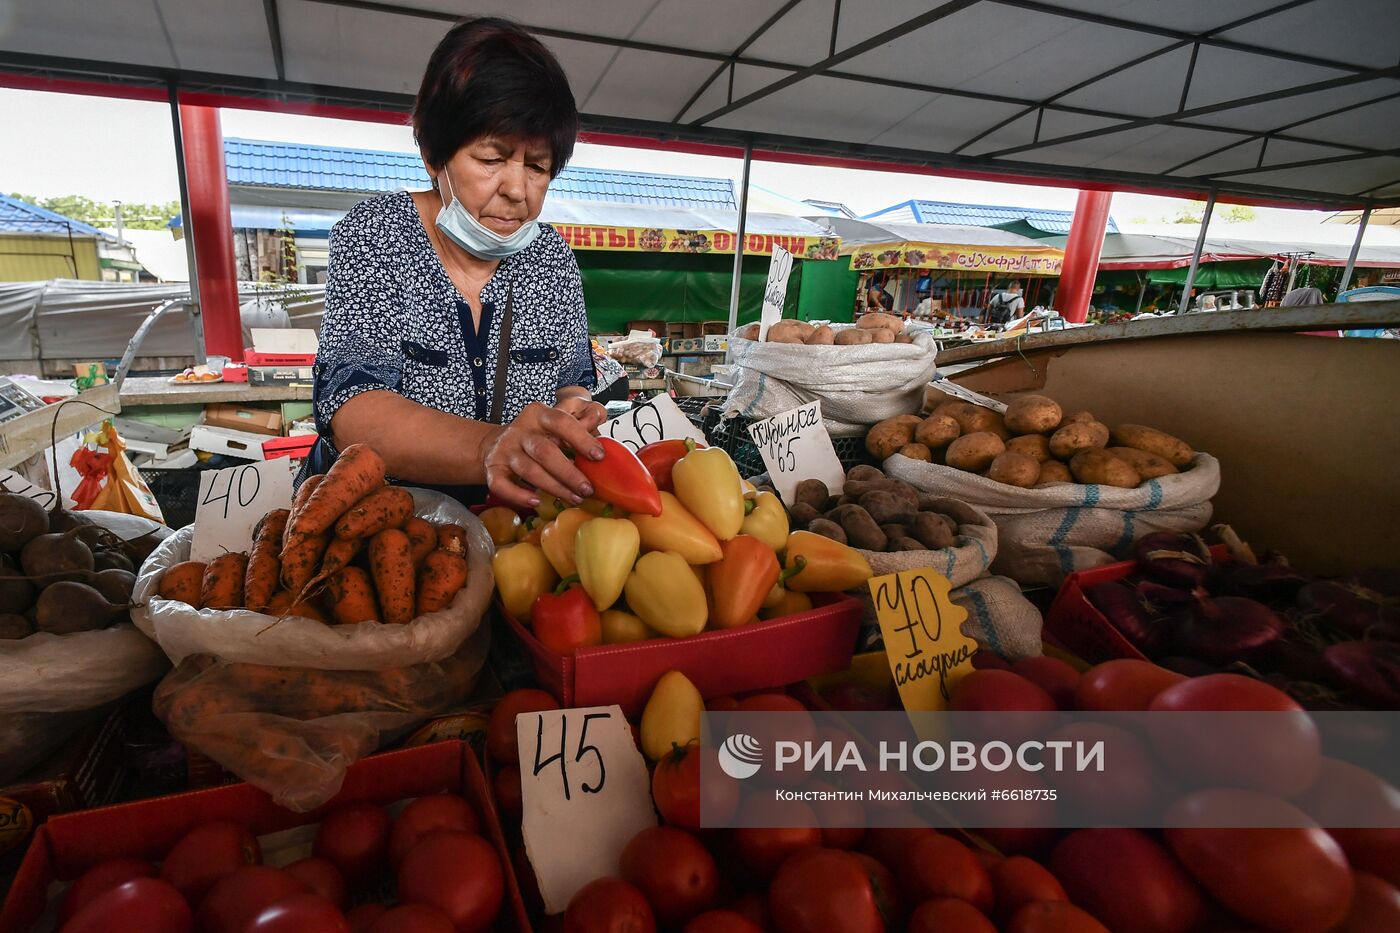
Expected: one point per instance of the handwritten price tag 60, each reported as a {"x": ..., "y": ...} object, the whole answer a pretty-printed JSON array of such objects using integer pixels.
[
  {"x": 660, "y": 419},
  {"x": 232, "y": 501},
  {"x": 922, "y": 626}
]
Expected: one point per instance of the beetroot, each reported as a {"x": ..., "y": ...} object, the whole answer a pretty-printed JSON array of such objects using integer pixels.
[
  {"x": 1229, "y": 628},
  {"x": 1126, "y": 611},
  {"x": 1354, "y": 610},
  {"x": 1368, "y": 671},
  {"x": 1182, "y": 561}
]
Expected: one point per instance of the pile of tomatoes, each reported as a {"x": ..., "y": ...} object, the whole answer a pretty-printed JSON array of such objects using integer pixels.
[{"x": 448, "y": 879}]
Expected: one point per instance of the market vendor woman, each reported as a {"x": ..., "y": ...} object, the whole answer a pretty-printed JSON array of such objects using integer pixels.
[{"x": 455, "y": 340}]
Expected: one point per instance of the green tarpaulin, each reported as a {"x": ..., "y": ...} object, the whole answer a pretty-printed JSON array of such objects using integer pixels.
[{"x": 1242, "y": 274}]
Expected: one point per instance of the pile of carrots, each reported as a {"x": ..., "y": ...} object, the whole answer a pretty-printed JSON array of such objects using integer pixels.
[{"x": 349, "y": 550}]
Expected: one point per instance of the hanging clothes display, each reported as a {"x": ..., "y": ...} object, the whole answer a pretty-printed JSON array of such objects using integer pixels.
[{"x": 1274, "y": 285}]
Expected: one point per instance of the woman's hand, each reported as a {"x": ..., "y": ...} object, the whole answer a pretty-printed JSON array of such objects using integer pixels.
[
  {"x": 588, "y": 412},
  {"x": 528, "y": 453}
]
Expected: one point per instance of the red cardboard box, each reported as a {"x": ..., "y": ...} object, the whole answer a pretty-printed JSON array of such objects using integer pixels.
[
  {"x": 765, "y": 654},
  {"x": 298, "y": 447},
  {"x": 69, "y": 845}
]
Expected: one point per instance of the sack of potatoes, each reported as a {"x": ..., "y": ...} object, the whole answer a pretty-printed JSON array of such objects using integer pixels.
[
  {"x": 1034, "y": 444},
  {"x": 876, "y": 327}
]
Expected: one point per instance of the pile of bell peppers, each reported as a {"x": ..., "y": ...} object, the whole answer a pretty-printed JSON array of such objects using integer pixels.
[{"x": 673, "y": 543}]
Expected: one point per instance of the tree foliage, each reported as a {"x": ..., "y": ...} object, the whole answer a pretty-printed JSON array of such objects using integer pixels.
[
  {"x": 1192, "y": 212},
  {"x": 135, "y": 215}
]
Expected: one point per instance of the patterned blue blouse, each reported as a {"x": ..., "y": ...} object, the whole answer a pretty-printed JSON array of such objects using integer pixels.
[{"x": 394, "y": 320}]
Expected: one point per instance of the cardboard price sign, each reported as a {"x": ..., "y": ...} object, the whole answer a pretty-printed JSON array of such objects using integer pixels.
[
  {"x": 10, "y": 481},
  {"x": 775, "y": 290},
  {"x": 232, "y": 501},
  {"x": 660, "y": 419},
  {"x": 795, "y": 446},
  {"x": 585, "y": 792},
  {"x": 922, "y": 627}
]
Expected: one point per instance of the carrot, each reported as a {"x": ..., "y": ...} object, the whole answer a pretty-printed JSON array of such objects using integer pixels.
[
  {"x": 391, "y": 563},
  {"x": 452, "y": 538},
  {"x": 222, "y": 587},
  {"x": 358, "y": 472},
  {"x": 284, "y": 603},
  {"x": 183, "y": 582},
  {"x": 352, "y": 596},
  {"x": 441, "y": 576},
  {"x": 422, "y": 536},
  {"x": 301, "y": 555},
  {"x": 308, "y": 487},
  {"x": 388, "y": 507},
  {"x": 265, "y": 562},
  {"x": 339, "y": 554}
]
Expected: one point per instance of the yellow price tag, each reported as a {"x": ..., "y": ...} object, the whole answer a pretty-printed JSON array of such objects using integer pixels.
[{"x": 922, "y": 627}]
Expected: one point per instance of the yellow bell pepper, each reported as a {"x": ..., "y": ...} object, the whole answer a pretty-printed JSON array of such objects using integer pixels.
[
  {"x": 768, "y": 522},
  {"x": 605, "y": 551},
  {"x": 501, "y": 524},
  {"x": 598, "y": 508},
  {"x": 621, "y": 627},
  {"x": 666, "y": 595},
  {"x": 750, "y": 490},
  {"x": 559, "y": 540},
  {"x": 830, "y": 566},
  {"x": 675, "y": 529},
  {"x": 522, "y": 573},
  {"x": 787, "y": 604},
  {"x": 708, "y": 484},
  {"x": 549, "y": 509}
]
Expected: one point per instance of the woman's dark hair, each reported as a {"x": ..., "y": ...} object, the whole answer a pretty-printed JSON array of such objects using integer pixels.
[{"x": 489, "y": 76}]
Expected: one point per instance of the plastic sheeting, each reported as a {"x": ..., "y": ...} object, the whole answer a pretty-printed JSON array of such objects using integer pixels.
[{"x": 622, "y": 287}]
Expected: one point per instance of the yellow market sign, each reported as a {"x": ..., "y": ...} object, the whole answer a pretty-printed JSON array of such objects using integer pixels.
[
  {"x": 658, "y": 240},
  {"x": 1043, "y": 261}
]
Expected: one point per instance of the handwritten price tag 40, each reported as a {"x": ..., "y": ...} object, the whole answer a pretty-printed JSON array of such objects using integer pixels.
[
  {"x": 585, "y": 792},
  {"x": 795, "y": 446},
  {"x": 232, "y": 501},
  {"x": 922, "y": 626},
  {"x": 660, "y": 419}
]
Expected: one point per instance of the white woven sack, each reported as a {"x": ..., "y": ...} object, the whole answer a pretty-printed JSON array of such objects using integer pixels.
[
  {"x": 1045, "y": 534},
  {"x": 857, "y": 385},
  {"x": 972, "y": 552}
]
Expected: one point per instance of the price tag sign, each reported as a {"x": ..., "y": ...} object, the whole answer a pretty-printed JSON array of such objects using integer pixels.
[
  {"x": 795, "y": 446},
  {"x": 922, "y": 627},
  {"x": 660, "y": 419},
  {"x": 232, "y": 501},
  {"x": 585, "y": 792},
  {"x": 775, "y": 291},
  {"x": 952, "y": 389},
  {"x": 10, "y": 481}
]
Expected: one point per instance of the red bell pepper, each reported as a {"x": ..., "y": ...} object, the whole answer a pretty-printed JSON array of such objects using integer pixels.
[
  {"x": 661, "y": 456},
  {"x": 741, "y": 580},
  {"x": 566, "y": 619},
  {"x": 620, "y": 479}
]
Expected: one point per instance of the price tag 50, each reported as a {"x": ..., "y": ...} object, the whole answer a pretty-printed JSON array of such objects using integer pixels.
[{"x": 232, "y": 501}]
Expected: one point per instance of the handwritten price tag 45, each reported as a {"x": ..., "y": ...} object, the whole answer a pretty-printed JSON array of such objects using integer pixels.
[
  {"x": 232, "y": 501},
  {"x": 795, "y": 446},
  {"x": 585, "y": 792},
  {"x": 660, "y": 419},
  {"x": 922, "y": 626}
]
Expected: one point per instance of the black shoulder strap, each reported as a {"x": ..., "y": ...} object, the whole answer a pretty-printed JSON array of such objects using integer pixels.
[{"x": 498, "y": 402}]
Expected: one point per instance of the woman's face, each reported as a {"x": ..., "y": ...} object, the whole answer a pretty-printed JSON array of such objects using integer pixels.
[{"x": 501, "y": 182}]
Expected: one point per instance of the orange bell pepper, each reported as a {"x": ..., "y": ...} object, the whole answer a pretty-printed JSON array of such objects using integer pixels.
[
  {"x": 741, "y": 580},
  {"x": 788, "y": 604},
  {"x": 707, "y": 483},
  {"x": 675, "y": 529},
  {"x": 830, "y": 565},
  {"x": 606, "y": 550},
  {"x": 559, "y": 540}
]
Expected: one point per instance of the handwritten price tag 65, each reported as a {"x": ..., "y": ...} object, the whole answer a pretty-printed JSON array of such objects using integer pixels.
[
  {"x": 922, "y": 627},
  {"x": 232, "y": 501},
  {"x": 795, "y": 446}
]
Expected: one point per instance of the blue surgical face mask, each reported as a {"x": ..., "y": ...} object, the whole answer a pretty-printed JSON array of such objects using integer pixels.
[{"x": 459, "y": 226}]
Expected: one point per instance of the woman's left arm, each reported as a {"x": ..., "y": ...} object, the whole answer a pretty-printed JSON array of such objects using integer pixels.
[{"x": 576, "y": 373}]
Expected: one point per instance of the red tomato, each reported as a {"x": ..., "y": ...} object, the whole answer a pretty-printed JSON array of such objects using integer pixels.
[
  {"x": 945, "y": 914},
  {"x": 984, "y": 659},
  {"x": 300, "y": 913},
  {"x": 797, "y": 726},
  {"x": 509, "y": 800},
  {"x": 1128, "y": 881},
  {"x": 1054, "y": 917},
  {"x": 1122, "y": 791},
  {"x": 1343, "y": 789},
  {"x": 412, "y": 918},
  {"x": 1052, "y": 675},
  {"x": 459, "y": 874},
  {"x": 422, "y": 816},
  {"x": 842, "y": 821},
  {"x": 355, "y": 839},
  {"x": 722, "y": 921},
  {"x": 145, "y": 904},
  {"x": 887, "y": 845},
  {"x": 824, "y": 891},
  {"x": 683, "y": 799},
  {"x": 207, "y": 853},
  {"x": 235, "y": 900},
  {"x": 989, "y": 691},
  {"x": 762, "y": 850},
  {"x": 101, "y": 877},
  {"x": 724, "y": 704},
  {"x": 753, "y": 907},
  {"x": 609, "y": 905},
  {"x": 1018, "y": 881},
  {"x": 675, "y": 872},
  {"x": 1375, "y": 906},
  {"x": 937, "y": 866},
  {"x": 362, "y": 918},
  {"x": 1293, "y": 879},
  {"x": 501, "y": 743},
  {"x": 525, "y": 874},
  {"x": 320, "y": 877},
  {"x": 885, "y": 887},
  {"x": 1125, "y": 684}
]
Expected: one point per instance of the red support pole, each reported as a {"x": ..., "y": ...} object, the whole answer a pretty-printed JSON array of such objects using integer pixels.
[
  {"x": 212, "y": 229},
  {"x": 1082, "y": 255}
]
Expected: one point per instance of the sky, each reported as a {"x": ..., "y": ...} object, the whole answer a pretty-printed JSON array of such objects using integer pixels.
[{"x": 108, "y": 149}]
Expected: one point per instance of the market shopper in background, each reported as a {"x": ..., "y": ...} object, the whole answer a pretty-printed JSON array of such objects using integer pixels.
[
  {"x": 1006, "y": 305},
  {"x": 455, "y": 339},
  {"x": 877, "y": 299}
]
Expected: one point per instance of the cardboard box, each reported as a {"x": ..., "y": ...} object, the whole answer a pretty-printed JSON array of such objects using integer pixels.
[
  {"x": 765, "y": 654},
  {"x": 282, "y": 346},
  {"x": 240, "y": 418},
  {"x": 280, "y": 375},
  {"x": 69, "y": 845},
  {"x": 298, "y": 447},
  {"x": 236, "y": 372},
  {"x": 230, "y": 443}
]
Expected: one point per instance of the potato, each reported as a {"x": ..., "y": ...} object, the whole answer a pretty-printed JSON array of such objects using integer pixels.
[
  {"x": 864, "y": 473},
  {"x": 903, "y": 338},
  {"x": 821, "y": 337},
  {"x": 1172, "y": 449},
  {"x": 903, "y": 544},
  {"x": 1053, "y": 471},
  {"x": 1094, "y": 465},
  {"x": 974, "y": 452},
  {"x": 860, "y": 528},
  {"x": 851, "y": 337},
  {"x": 813, "y": 492},
  {"x": 951, "y": 407},
  {"x": 975, "y": 418},
  {"x": 894, "y": 530},
  {"x": 748, "y": 331},
  {"x": 1148, "y": 465},
  {"x": 917, "y": 452},
  {"x": 937, "y": 431},
  {"x": 886, "y": 507},
  {"x": 1014, "y": 469},
  {"x": 931, "y": 531},
  {"x": 1078, "y": 417},
  {"x": 1033, "y": 414},
  {"x": 879, "y": 320},
  {"x": 801, "y": 514},
  {"x": 827, "y": 529},
  {"x": 880, "y": 335},
  {"x": 1082, "y": 435},
  {"x": 1032, "y": 445},
  {"x": 948, "y": 521},
  {"x": 886, "y": 438},
  {"x": 900, "y": 490},
  {"x": 790, "y": 332}
]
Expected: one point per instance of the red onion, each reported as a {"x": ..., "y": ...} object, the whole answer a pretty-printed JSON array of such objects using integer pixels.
[
  {"x": 1274, "y": 582},
  {"x": 1182, "y": 561},
  {"x": 1368, "y": 671},
  {"x": 1354, "y": 610},
  {"x": 1229, "y": 628},
  {"x": 1382, "y": 580},
  {"x": 1126, "y": 612}
]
